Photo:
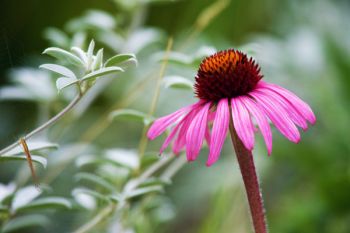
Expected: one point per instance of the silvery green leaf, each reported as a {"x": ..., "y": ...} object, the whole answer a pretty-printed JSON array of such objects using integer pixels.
[
  {"x": 121, "y": 58},
  {"x": 24, "y": 196},
  {"x": 16, "y": 93},
  {"x": 64, "y": 55},
  {"x": 59, "y": 69},
  {"x": 177, "y": 82},
  {"x": 87, "y": 197},
  {"x": 90, "y": 53},
  {"x": 142, "y": 38},
  {"x": 175, "y": 58},
  {"x": 125, "y": 158},
  {"x": 111, "y": 39},
  {"x": 24, "y": 222},
  {"x": 64, "y": 82},
  {"x": 97, "y": 180},
  {"x": 131, "y": 115},
  {"x": 35, "y": 158},
  {"x": 33, "y": 147},
  {"x": 97, "y": 63},
  {"x": 80, "y": 53},
  {"x": 145, "y": 190},
  {"x": 6, "y": 191},
  {"x": 79, "y": 39},
  {"x": 57, "y": 37},
  {"x": 46, "y": 203},
  {"x": 102, "y": 72}
]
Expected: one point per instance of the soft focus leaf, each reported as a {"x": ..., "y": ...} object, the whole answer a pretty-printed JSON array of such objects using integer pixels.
[
  {"x": 145, "y": 190},
  {"x": 24, "y": 196},
  {"x": 178, "y": 82},
  {"x": 57, "y": 37},
  {"x": 131, "y": 115},
  {"x": 121, "y": 58},
  {"x": 46, "y": 203},
  {"x": 59, "y": 69},
  {"x": 97, "y": 64},
  {"x": 33, "y": 146},
  {"x": 63, "y": 82},
  {"x": 84, "y": 176},
  {"x": 87, "y": 197},
  {"x": 125, "y": 158},
  {"x": 35, "y": 158},
  {"x": 64, "y": 55},
  {"x": 102, "y": 72},
  {"x": 80, "y": 53},
  {"x": 25, "y": 222}
]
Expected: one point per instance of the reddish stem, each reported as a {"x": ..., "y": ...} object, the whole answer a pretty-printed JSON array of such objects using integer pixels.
[{"x": 250, "y": 179}]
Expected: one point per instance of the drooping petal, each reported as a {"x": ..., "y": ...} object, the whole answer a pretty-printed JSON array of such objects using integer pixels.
[
  {"x": 195, "y": 133},
  {"x": 242, "y": 123},
  {"x": 278, "y": 116},
  {"x": 219, "y": 131},
  {"x": 207, "y": 136},
  {"x": 180, "y": 141},
  {"x": 292, "y": 112},
  {"x": 170, "y": 137},
  {"x": 302, "y": 107},
  {"x": 261, "y": 119},
  {"x": 160, "y": 125}
]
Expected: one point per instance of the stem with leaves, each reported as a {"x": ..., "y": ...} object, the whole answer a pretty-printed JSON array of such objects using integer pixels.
[{"x": 45, "y": 125}]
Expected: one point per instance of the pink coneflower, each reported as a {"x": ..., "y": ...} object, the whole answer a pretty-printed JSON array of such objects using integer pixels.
[
  {"x": 229, "y": 78},
  {"x": 231, "y": 95}
]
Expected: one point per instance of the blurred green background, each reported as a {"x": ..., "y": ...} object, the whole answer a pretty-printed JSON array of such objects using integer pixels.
[{"x": 301, "y": 45}]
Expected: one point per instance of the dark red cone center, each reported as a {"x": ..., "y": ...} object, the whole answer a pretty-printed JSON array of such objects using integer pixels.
[{"x": 226, "y": 74}]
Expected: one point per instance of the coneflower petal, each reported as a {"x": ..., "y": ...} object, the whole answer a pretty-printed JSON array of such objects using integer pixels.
[
  {"x": 242, "y": 123},
  {"x": 261, "y": 119},
  {"x": 170, "y": 137},
  {"x": 180, "y": 141},
  {"x": 292, "y": 112},
  {"x": 207, "y": 135},
  {"x": 219, "y": 131},
  {"x": 278, "y": 116},
  {"x": 160, "y": 125},
  {"x": 302, "y": 107},
  {"x": 196, "y": 131}
]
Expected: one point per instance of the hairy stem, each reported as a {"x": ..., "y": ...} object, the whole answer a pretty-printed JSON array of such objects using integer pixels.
[
  {"x": 251, "y": 183},
  {"x": 45, "y": 125}
]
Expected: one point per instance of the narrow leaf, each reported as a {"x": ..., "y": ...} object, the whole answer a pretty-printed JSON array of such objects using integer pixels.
[
  {"x": 95, "y": 180},
  {"x": 24, "y": 222},
  {"x": 102, "y": 72},
  {"x": 46, "y": 203},
  {"x": 145, "y": 190},
  {"x": 35, "y": 158},
  {"x": 178, "y": 82},
  {"x": 120, "y": 58},
  {"x": 80, "y": 53},
  {"x": 97, "y": 64},
  {"x": 59, "y": 69},
  {"x": 33, "y": 147},
  {"x": 64, "y": 55},
  {"x": 131, "y": 115},
  {"x": 64, "y": 82}
]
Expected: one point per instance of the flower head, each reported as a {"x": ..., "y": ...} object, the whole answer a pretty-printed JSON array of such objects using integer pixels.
[{"x": 228, "y": 84}]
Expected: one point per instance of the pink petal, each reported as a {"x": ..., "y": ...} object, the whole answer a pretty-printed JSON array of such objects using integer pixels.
[
  {"x": 278, "y": 116},
  {"x": 242, "y": 123},
  {"x": 261, "y": 119},
  {"x": 195, "y": 133},
  {"x": 302, "y": 107},
  {"x": 161, "y": 124},
  {"x": 219, "y": 131},
  {"x": 207, "y": 136},
  {"x": 180, "y": 141},
  {"x": 292, "y": 112},
  {"x": 170, "y": 137}
]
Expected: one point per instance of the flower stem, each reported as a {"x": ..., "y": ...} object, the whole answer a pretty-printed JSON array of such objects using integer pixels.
[
  {"x": 45, "y": 125},
  {"x": 251, "y": 183}
]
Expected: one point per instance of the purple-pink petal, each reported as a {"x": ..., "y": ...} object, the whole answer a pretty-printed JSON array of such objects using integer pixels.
[
  {"x": 261, "y": 119},
  {"x": 170, "y": 137},
  {"x": 292, "y": 112},
  {"x": 302, "y": 107},
  {"x": 219, "y": 131},
  {"x": 242, "y": 123},
  {"x": 161, "y": 124},
  {"x": 278, "y": 116},
  {"x": 196, "y": 131}
]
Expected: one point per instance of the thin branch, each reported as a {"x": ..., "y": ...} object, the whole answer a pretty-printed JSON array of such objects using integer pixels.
[{"x": 45, "y": 125}]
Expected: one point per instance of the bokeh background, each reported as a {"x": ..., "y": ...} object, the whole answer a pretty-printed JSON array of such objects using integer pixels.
[{"x": 301, "y": 45}]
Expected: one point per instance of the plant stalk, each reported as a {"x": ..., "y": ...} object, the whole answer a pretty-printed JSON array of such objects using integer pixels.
[
  {"x": 45, "y": 125},
  {"x": 251, "y": 183}
]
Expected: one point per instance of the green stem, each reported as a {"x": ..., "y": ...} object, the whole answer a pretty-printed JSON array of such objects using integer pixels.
[
  {"x": 45, "y": 125},
  {"x": 250, "y": 179}
]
